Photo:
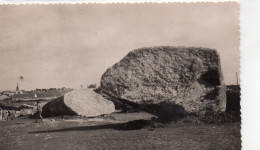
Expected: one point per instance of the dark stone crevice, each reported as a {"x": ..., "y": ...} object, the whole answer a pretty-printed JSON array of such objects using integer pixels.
[{"x": 210, "y": 78}]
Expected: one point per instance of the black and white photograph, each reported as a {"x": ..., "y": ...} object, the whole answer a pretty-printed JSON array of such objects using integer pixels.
[{"x": 120, "y": 76}]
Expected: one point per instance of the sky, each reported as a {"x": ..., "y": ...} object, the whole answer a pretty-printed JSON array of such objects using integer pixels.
[{"x": 54, "y": 46}]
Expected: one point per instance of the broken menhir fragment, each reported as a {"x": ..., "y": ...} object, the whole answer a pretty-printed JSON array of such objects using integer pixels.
[{"x": 79, "y": 102}]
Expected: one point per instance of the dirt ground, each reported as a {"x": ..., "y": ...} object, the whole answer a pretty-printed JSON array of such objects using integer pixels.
[{"x": 109, "y": 132}]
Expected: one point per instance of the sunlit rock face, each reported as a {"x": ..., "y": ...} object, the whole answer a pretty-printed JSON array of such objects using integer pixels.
[
  {"x": 189, "y": 77},
  {"x": 79, "y": 102}
]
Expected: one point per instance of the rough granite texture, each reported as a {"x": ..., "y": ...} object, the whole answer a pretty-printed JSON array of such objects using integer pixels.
[
  {"x": 80, "y": 102},
  {"x": 189, "y": 77}
]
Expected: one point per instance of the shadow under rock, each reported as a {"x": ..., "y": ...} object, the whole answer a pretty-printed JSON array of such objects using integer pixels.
[
  {"x": 165, "y": 111},
  {"x": 131, "y": 125}
]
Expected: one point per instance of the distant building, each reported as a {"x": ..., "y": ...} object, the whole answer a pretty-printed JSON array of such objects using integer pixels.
[
  {"x": 11, "y": 94},
  {"x": 17, "y": 89},
  {"x": 6, "y": 93},
  {"x": 40, "y": 93},
  {"x": 3, "y": 97}
]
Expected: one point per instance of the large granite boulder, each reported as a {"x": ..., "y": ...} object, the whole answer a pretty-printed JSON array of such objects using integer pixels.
[
  {"x": 79, "y": 102},
  {"x": 189, "y": 78}
]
